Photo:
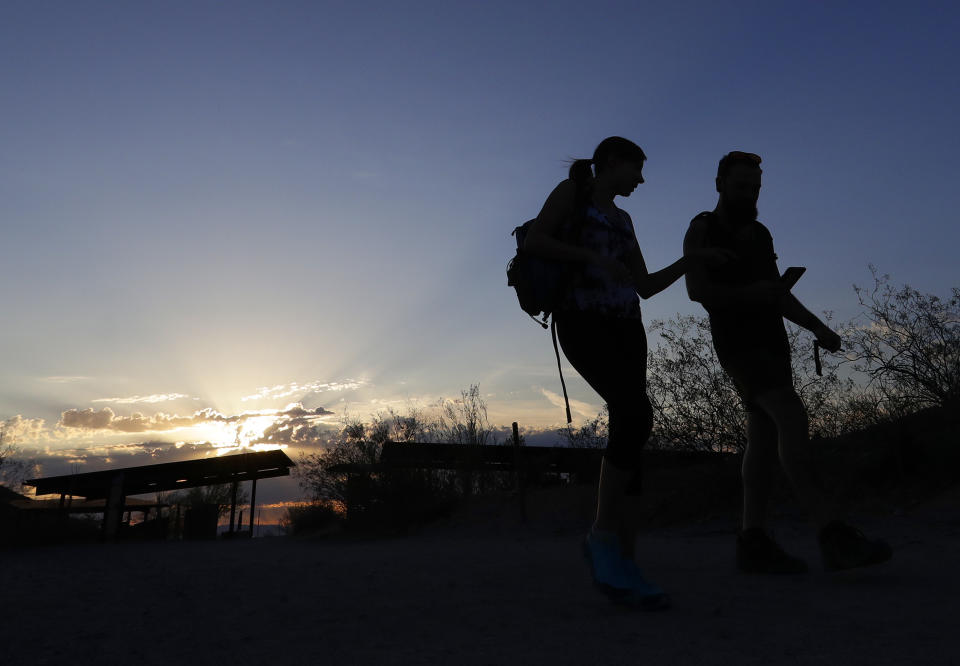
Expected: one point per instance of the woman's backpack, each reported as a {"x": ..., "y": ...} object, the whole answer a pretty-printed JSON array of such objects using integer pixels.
[{"x": 540, "y": 285}]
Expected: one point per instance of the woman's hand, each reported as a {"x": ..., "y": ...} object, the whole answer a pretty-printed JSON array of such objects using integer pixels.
[{"x": 712, "y": 256}]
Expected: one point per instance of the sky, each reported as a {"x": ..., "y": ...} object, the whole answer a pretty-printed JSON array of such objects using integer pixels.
[{"x": 226, "y": 222}]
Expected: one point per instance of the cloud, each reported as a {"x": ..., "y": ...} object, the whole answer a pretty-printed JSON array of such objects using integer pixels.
[
  {"x": 299, "y": 426},
  {"x": 157, "y": 397},
  {"x": 294, "y": 388},
  {"x": 18, "y": 428},
  {"x": 64, "y": 379},
  {"x": 295, "y": 431},
  {"x": 106, "y": 419},
  {"x": 87, "y": 419},
  {"x": 584, "y": 409},
  {"x": 296, "y": 410}
]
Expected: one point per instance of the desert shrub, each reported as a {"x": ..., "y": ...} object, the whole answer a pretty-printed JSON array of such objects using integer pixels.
[
  {"x": 591, "y": 435},
  {"x": 14, "y": 470},
  {"x": 314, "y": 516},
  {"x": 356, "y": 443},
  {"x": 695, "y": 404},
  {"x": 464, "y": 421},
  {"x": 908, "y": 345},
  {"x": 220, "y": 495},
  {"x": 836, "y": 402},
  {"x": 346, "y": 470}
]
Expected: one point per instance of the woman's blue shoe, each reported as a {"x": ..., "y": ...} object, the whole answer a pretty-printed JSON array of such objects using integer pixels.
[
  {"x": 618, "y": 578},
  {"x": 643, "y": 594}
]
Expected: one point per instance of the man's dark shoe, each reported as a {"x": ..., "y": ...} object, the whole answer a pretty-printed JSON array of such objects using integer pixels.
[
  {"x": 758, "y": 553},
  {"x": 845, "y": 547}
]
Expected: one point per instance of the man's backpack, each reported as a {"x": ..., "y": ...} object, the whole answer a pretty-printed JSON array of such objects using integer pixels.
[{"x": 540, "y": 285}]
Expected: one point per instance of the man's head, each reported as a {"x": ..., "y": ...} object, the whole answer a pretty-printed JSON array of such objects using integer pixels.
[{"x": 738, "y": 182}]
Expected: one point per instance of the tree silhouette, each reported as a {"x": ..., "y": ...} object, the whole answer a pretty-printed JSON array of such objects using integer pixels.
[
  {"x": 695, "y": 404},
  {"x": 13, "y": 470}
]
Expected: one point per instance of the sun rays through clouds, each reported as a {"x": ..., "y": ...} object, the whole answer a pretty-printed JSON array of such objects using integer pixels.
[{"x": 146, "y": 427}]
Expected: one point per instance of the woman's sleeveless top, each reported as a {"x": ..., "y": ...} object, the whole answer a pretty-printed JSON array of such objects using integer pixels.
[{"x": 592, "y": 289}]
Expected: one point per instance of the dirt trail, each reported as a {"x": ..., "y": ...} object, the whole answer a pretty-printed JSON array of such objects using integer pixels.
[{"x": 481, "y": 589}]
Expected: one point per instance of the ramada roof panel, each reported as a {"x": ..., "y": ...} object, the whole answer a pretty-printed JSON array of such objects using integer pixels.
[{"x": 168, "y": 476}]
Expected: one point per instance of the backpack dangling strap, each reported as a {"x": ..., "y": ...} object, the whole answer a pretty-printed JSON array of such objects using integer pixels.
[{"x": 553, "y": 334}]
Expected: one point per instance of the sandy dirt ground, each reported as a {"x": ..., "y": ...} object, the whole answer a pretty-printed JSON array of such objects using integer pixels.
[{"x": 482, "y": 588}]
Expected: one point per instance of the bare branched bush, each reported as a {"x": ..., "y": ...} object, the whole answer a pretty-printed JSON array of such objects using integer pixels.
[
  {"x": 311, "y": 517},
  {"x": 591, "y": 435},
  {"x": 465, "y": 421},
  {"x": 14, "y": 470},
  {"x": 695, "y": 404},
  {"x": 346, "y": 471},
  {"x": 908, "y": 344},
  {"x": 902, "y": 355},
  {"x": 836, "y": 403},
  {"x": 220, "y": 495},
  {"x": 356, "y": 443}
]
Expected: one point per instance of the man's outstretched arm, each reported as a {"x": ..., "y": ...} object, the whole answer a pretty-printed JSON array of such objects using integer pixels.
[{"x": 796, "y": 312}]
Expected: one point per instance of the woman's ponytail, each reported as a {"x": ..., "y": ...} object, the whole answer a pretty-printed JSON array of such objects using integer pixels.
[{"x": 581, "y": 172}]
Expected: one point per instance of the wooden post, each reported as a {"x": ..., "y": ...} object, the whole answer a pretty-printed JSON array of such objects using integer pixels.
[
  {"x": 518, "y": 470},
  {"x": 63, "y": 521},
  {"x": 253, "y": 502}
]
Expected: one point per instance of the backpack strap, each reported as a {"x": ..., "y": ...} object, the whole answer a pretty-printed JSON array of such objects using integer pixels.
[{"x": 553, "y": 334}]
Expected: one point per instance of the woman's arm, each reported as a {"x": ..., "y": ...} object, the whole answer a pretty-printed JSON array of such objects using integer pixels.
[
  {"x": 648, "y": 284},
  {"x": 692, "y": 262}
]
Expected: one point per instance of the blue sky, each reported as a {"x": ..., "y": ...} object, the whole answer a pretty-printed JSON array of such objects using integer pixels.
[{"x": 202, "y": 199}]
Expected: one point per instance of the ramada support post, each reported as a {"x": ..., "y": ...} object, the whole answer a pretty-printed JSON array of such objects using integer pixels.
[
  {"x": 233, "y": 505},
  {"x": 253, "y": 503},
  {"x": 113, "y": 509},
  {"x": 518, "y": 471}
]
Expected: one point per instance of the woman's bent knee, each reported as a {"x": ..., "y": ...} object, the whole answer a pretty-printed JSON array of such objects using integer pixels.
[{"x": 630, "y": 427}]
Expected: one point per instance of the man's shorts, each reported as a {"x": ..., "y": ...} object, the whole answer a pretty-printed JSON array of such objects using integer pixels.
[{"x": 757, "y": 372}]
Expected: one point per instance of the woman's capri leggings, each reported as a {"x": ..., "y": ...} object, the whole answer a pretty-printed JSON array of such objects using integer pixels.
[{"x": 611, "y": 355}]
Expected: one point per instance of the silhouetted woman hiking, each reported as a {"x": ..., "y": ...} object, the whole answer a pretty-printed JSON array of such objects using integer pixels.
[{"x": 601, "y": 332}]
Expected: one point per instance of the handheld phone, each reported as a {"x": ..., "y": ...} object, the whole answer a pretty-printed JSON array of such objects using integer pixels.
[{"x": 791, "y": 275}]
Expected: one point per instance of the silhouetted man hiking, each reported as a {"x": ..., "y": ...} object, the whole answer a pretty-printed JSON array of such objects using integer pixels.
[{"x": 747, "y": 301}]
